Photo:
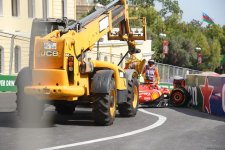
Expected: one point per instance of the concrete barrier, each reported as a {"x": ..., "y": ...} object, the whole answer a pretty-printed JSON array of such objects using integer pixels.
[
  {"x": 7, "y": 83},
  {"x": 207, "y": 92}
]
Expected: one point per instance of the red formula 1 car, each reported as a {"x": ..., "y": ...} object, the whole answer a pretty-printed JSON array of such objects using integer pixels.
[{"x": 153, "y": 96}]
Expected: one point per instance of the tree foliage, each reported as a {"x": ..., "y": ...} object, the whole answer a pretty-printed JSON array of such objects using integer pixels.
[
  {"x": 170, "y": 7},
  {"x": 183, "y": 37},
  {"x": 103, "y": 2}
]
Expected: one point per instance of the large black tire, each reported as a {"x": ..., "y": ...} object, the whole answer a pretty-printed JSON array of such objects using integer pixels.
[
  {"x": 104, "y": 109},
  {"x": 129, "y": 108},
  {"x": 29, "y": 108},
  {"x": 65, "y": 107},
  {"x": 179, "y": 97}
]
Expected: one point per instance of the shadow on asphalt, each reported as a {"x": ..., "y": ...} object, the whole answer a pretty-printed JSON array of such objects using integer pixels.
[
  {"x": 197, "y": 113},
  {"x": 8, "y": 119},
  {"x": 148, "y": 106},
  {"x": 49, "y": 119},
  {"x": 83, "y": 117},
  {"x": 189, "y": 111},
  {"x": 79, "y": 118}
]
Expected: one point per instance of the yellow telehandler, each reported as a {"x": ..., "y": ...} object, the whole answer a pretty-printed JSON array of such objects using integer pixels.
[{"x": 59, "y": 74}]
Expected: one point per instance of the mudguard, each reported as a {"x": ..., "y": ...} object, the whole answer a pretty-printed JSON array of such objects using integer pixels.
[
  {"x": 101, "y": 81},
  {"x": 129, "y": 74}
]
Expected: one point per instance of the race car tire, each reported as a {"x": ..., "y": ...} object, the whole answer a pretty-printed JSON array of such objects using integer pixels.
[{"x": 179, "y": 97}]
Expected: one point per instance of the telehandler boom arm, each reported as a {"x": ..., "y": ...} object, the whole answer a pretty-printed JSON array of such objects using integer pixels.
[{"x": 91, "y": 28}]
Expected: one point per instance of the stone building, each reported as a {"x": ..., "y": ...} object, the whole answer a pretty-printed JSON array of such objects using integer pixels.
[{"x": 16, "y": 19}]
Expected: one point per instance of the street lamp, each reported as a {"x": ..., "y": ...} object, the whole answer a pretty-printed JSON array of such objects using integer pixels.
[
  {"x": 162, "y": 35},
  {"x": 197, "y": 50}
]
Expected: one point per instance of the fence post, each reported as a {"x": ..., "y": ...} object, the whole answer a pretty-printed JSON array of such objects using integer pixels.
[
  {"x": 105, "y": 58},
  {"x": 168, "y": 75},
  {"x": 163, "y": 72},
  {"x": 99, "y": 56}
]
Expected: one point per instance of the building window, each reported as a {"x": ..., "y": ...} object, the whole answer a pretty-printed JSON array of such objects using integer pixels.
[
  {"x": 1, "y": 8},
  {"x": 1, "y": 59},
  {"x": 31, "y": 8},
  {"x": 15, "y": 7},
  {"x": 17, "y": 59},
  {"x": 64, "y": 8}
]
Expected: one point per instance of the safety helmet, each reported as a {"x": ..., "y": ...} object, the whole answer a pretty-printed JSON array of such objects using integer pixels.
[{"x": 151, "y": 61}]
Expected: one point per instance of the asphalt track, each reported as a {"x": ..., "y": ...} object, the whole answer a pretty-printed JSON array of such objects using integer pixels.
[{"x": 151, "y": 129}]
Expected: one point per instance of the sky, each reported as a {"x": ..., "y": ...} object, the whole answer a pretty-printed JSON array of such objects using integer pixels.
[{"x": 193, "y": 9}]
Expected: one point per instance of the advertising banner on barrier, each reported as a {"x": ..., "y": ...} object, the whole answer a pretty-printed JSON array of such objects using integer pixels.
[
  {"x": 207, "y": 93},
  {"x": 166, "y": 85},
  {"x": 7, "y": 83}
]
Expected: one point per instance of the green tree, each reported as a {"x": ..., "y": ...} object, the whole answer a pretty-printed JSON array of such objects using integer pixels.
[
  {"x": 172, "y": 24},
  {"x": 183, "y": 37},
  {"x": 144, "y": 2},
  {"x": 214, "y": 31},
  {"x": 103, "y": 2},
  {"x": 215, "y": 36},
  {"x": 222, "y": 41},
  {"x": 170, "y": 7},
  {"x": 200, "y": 40},
  {"x": 155, "y": 25},
  {"x": 214, "y": 59},
  {"x": 179, "y": 51}
]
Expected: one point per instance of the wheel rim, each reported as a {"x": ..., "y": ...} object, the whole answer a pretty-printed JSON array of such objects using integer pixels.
[
  {"x": 113, "y": 103},
  {"x": 178, "y": 97},
  {"x": 135, "y": 99}
]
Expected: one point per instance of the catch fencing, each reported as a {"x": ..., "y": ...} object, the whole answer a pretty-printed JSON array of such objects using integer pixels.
[
  {"x": 10, "y": 43},
  {"x": 168, "y": 72}
]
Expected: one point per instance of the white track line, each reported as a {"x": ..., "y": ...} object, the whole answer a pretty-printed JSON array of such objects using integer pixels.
[{"x": 160, "y": 121}]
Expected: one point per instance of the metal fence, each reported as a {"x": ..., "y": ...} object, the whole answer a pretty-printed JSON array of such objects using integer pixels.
[
  {"x": 168, "y": 72},
  {"x": 104, "y": 56}
]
